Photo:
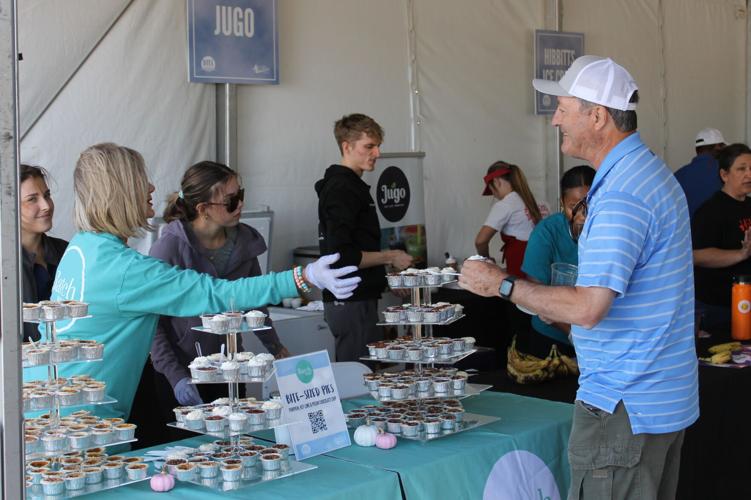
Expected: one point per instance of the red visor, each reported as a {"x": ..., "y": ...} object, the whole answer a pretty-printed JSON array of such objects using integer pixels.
[{"x": 490, "y": 177}]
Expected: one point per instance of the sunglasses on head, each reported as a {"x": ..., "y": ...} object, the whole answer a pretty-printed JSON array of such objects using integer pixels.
[{"x": 232, "y": 202}]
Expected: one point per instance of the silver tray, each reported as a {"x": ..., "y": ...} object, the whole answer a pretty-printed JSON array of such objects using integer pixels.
[
  {"x": 241, "y": 379},
  {"x": 469, "y": 390},
  {"x": 48, "y": 454},
  {"x": 254, "y": 475},
  {"x": 422, "y": 286},
  {"x": 226, "y": 433},
  {"x": 243, "y": 328},
  {"x": 469, "y": 421},
  {"x": 35, "y": 491},
  {"x": 27, "y": 365},
  {"x": 107, "y": 400},
  {"x": 453, "y": 319},
  {"x": 445, "y": 360}
]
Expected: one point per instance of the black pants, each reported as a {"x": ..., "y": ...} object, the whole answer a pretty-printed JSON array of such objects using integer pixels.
[{"x": 353, "y": 325}]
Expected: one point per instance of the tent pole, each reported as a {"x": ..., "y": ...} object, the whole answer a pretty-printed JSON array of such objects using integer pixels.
[
  {"x": 226, "y": 124},
  {"x": 11, "y": 417},
  {"x": 553, "y": 21}
]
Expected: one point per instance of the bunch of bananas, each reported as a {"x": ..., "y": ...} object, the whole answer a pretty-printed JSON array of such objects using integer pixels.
[
  {"x": 722, "y": 353},
  {"x": 528, "y": 369}
]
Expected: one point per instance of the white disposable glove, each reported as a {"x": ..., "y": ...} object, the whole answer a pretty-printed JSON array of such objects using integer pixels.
[{"x": 320, "y": 274}]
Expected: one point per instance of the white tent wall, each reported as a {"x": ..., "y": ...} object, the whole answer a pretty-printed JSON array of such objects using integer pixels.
[
  {"x": 473, "y": 67},
  {"x": 337, "y": 57},
  {"x": 705, "y": 75},
  {"x": 688, "y": 57},
  {"x": 132, "y": 90}
]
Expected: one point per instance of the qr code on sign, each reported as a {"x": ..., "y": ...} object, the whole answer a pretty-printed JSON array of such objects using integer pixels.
[{"x": 317, "y": 421}]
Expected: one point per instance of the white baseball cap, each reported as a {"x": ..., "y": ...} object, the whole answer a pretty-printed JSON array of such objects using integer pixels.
[
  {"x": 595, "y": 79},
  {"x": 709, "y": 136}
]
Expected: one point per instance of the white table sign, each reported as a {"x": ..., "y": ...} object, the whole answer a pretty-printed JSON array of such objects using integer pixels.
[{"x": 310, "y": 398}]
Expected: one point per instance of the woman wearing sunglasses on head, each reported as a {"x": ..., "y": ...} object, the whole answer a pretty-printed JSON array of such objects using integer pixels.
[
  {"x": 554, "y": 240},
  {"x": 204, "y": 233},
  {"x": 127, "y": 291},
  {"x": 41, "y": 253}
]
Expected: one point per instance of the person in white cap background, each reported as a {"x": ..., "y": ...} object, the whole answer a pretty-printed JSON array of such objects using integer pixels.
[
  {"x": 632, "y": 309},
  {"x": 700, "y": 179}
]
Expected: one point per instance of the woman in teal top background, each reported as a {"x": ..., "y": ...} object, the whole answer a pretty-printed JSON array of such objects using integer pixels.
[
  {"x": 127, "y": 291},
  {"x": 554, "y": 239}
]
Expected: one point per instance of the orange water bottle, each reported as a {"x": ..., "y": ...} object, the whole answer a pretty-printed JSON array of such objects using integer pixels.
[{"x": 741, "y": 308}]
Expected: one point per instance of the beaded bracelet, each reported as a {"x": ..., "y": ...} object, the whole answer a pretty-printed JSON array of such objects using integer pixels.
[{"x": 299, "y": 280}]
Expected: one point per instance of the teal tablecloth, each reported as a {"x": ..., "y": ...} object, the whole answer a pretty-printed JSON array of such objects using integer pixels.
[
  {"x": 333, "y": 480},
  {"x": 522, "y": 456}
]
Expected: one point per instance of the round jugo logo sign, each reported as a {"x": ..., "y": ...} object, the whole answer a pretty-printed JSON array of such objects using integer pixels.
[{"x": 392, "y": 194}]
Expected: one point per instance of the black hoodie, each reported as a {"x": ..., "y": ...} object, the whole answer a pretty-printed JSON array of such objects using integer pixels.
[{"x": 348, "y": 224}]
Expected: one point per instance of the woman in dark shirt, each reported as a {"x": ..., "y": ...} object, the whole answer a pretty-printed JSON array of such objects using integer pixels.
[
  {"x": 721, "y": 233},
  {"x": 40, "y": 253}
]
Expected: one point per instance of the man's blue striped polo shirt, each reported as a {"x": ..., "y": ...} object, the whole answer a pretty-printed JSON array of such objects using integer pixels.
[{"x": 637, "y": 242}]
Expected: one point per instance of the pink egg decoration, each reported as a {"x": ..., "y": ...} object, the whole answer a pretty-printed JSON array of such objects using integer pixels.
[
  {"x": 385, "y": 441},
  {"x": 164, "y": 481}
]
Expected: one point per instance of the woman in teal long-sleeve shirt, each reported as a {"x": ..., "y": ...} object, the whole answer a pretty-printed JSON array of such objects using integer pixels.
[{"x": 127, "y": 291}]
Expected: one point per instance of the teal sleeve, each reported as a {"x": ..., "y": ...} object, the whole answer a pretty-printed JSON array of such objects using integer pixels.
[
  {"x": 152, "y": 286},
  {"x": 539, "y": 254}
]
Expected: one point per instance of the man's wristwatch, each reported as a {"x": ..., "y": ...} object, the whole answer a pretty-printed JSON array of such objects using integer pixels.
[{"x": 507, "y": 287}]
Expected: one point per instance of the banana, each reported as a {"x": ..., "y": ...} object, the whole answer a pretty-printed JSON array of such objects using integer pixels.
[
  {"x": 719, "y": 358},
  {"x": 726, "y": 347},
  {"x": 571, "y": 365}
]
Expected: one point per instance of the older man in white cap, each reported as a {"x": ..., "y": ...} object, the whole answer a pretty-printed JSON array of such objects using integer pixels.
[
  {"x": 632, "y": 306},
  {"x": 700, "y": 179}
]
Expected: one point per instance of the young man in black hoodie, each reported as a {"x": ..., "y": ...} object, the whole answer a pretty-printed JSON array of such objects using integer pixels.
[{"x": 348, "y": 224}]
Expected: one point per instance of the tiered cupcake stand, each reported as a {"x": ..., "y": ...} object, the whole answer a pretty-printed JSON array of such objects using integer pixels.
[
  {"x": 425, "y": 397},
  {"x": 232, "y": 442},
  {"x": 61, "y": 441}
]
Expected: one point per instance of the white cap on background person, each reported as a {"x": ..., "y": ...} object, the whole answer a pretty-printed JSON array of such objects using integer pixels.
[
  {"x": 595, "y": 79},
  {"x": 709, "y": 136}
]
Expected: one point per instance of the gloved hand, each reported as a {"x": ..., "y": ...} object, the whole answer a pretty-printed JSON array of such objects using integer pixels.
[
  {"x": 187, "y": 393},
  {"x": 320, "y": 274}
]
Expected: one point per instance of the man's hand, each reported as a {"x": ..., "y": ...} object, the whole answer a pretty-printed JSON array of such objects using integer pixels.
[
  {"x": 746, "y": 244},
  {"x": 400, "y": 259},
  {"x": 481, "y": 277},
  {"x": 402, "y": 293}
]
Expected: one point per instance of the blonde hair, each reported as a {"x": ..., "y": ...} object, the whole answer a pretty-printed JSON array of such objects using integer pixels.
[{"x": 111, "y": 191}]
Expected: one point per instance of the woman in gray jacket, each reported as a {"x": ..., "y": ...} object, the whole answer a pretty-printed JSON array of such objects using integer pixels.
[{"x": 203, "y": 233}]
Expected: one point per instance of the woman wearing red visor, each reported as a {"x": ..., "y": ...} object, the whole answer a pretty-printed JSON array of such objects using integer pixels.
[{"x": 514, "y": 215}]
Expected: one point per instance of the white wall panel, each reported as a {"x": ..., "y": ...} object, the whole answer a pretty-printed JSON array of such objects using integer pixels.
[
  {"x": 337, "y": 57},
  {"x": 55, "y": 38},
  {"x": 133, "y": 90},
  {"x": 705, "y": 72},
  {"x": 475, "y": 67}
]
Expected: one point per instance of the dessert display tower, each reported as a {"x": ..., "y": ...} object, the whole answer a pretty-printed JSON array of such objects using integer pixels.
[
  {"x": 233, "y": 438},
  {"x": 53, "y": 439},
  {"x": 423, "y": 332}
]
